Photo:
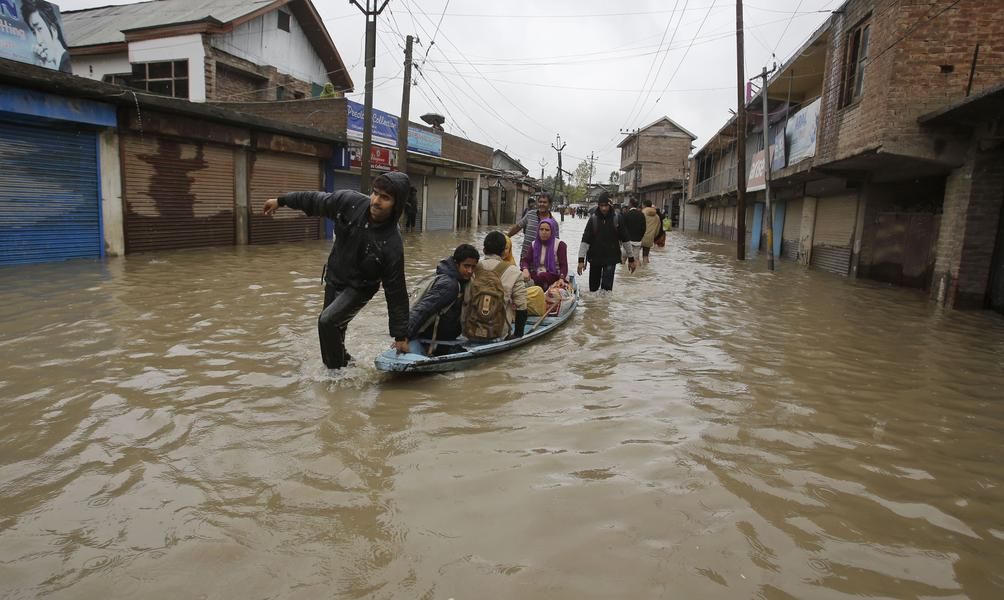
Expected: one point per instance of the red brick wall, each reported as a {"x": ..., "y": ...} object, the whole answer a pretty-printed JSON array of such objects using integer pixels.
[{"x": 903, "y": 79}]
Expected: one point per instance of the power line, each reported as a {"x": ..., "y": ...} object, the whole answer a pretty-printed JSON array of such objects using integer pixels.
[
  {"x": 669, "y": 23},
  {"x": 684, "y": 57},
  {"x": 788, "y": 24},
  {"x": 433, "y": 41}
]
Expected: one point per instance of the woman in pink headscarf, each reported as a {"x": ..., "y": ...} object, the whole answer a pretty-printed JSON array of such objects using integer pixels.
[{"x": 546, "y": 261}]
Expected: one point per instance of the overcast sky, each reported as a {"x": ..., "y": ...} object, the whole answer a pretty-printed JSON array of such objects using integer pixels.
[{"x": 515, "y": 74}]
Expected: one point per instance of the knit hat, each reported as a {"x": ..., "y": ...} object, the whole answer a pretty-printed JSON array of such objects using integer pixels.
[{"x": 604, "y": 198}]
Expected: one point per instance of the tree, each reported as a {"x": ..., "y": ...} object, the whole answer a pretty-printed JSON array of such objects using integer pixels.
[
  {"x": 582, "y": 174},
  {"x": 615, "y": 177}
]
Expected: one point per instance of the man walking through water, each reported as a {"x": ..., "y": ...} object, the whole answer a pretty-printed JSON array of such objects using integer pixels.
[
  {"x": 366, "y": 253},
  {"x": 531, "y": 222},
  {"x": 603, "y": 240}
]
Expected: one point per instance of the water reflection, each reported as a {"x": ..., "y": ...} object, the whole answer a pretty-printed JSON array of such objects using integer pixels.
[{"x": 708, "y": 429}]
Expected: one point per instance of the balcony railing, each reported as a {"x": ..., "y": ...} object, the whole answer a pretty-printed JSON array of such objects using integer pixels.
[{"x": 719, "y": 183}]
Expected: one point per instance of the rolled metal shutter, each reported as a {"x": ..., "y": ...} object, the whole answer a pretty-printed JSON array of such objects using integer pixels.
[
  {"x": 831, "y": 243},
  {"x": 49, "y": 203},
  {"x": 442, "y": 196},
  {"x": 177, "y": 194},
  {"x": 792, "y": 229},
  {"x": 273, "y": 175}
]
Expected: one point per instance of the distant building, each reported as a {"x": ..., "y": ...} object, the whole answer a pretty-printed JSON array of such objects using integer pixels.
[
  {"x": 199, "y": 50},
  {"x": 507, "y": 197},
  {"x": 654, "y": 162}
]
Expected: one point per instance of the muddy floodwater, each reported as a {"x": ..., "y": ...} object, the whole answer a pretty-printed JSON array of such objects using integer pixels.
[{"x": 709, "y": 430}]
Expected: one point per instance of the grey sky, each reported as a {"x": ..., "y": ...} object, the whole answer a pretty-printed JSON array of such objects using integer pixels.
[{"x": 512, "y": 75}]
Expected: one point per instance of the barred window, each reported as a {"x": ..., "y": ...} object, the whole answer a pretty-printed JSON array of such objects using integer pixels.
[{"x": 169, "y": 78}]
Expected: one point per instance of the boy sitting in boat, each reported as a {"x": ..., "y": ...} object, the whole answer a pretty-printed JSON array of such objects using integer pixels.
[
  {"x": 495, "y": 304},
  {"x": 436, "y": 311}
]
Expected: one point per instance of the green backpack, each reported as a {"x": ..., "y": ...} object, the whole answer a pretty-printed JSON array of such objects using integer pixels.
[{"x": 485, "y": 309}]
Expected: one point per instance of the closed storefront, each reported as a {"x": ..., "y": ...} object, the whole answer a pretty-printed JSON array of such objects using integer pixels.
[
  {"x": 177, "y": 194},
  {"x": 441, "y": 203},
  {"x": 271, "y": 175},
  {"x": 831, "y": 245},
  {"x": 50, "y": 208},
  {"x": 792, "y": 229}
]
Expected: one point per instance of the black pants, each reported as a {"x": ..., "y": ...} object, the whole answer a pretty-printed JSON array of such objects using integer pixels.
[
  {"x": 601, "y": 275},
  {"x": 340, "y": 306}
]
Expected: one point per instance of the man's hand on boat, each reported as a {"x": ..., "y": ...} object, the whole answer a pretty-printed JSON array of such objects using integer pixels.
[
  {"x": 401, "y": 346},
  {"x": 271, "y": 205}
]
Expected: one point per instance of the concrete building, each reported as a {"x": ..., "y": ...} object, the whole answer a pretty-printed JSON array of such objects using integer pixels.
[
  {"x": 654, "y": 163},
  {"x": 508, "y": 195},
  {"x": 225, "y": 50},
  {"x": 883, "y": 159}
]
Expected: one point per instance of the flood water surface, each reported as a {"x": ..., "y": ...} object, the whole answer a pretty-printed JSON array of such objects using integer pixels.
[{"x": 706, "y": 430}]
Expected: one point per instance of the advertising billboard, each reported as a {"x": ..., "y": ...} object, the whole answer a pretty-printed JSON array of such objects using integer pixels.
[
  {"x": 385, "y": 131},
  {"x": 31, "y": 31}
]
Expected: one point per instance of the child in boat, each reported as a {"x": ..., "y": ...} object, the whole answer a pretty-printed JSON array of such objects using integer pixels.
[
  {"x": 547, "y": 259},
  {"x": 514, "y": 289},
  {"x": 436, "y": 313}
]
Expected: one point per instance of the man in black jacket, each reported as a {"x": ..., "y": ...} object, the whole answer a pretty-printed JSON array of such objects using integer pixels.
[
  {"x": 603, "y": 240},
  {"x": 366, "y": 253},
  {"x": 436, "y": 314},
  {"x": 634, "y": 222}
]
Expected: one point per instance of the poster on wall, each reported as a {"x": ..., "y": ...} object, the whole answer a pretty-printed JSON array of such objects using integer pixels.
[
  {"x": 385, "y": 131},
  {"x": 31, "y": 31},
  {"x": 800, "y": 133}
]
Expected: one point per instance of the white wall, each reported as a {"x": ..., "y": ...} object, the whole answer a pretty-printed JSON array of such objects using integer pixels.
[
  {"x": 97, "y": 66},
  {"x": 262, "y": 42},
  {"x": 181, "y": 47}
]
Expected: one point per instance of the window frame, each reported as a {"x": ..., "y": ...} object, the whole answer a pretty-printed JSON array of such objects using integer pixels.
[
  {"x": 855, "y": 62},
  {"x": 174, "y": 81},
  {"x": 283, "y": 17}
]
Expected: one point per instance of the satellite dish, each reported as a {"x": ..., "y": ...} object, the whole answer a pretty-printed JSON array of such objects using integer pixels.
[{"x": 435, "y": 120}]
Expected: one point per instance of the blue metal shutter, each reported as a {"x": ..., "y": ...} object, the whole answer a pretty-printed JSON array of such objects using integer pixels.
[{"x": 49, "y": 204}]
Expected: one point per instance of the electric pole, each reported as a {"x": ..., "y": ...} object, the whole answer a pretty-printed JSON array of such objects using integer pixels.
[
  {"x": 542, "y": 163},
  {"x": 592, "y": 161},
  {"x": 740, "y": 138},
  {"x": 402, "y": 123},
  {"x": 560, "y": 183},
  {"x": 371, "y": 11},
  {"x": 766, "y": 168}
]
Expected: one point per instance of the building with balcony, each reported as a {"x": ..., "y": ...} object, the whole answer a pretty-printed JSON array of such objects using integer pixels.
[
  {"x": 884, "y": 151},
  {"x": 654, "y": 163}
]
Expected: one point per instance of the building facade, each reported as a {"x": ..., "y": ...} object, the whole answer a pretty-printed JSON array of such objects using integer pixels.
[
  {"x": 654, "y": 164},
  {"x": 215, "y": 50},
  {"x": 881, "y": 163}
]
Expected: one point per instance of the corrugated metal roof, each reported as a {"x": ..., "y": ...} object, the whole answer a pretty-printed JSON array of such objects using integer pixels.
[{"x": 105, "y": 25}]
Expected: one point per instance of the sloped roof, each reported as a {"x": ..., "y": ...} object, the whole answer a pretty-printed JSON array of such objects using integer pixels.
[
  {"x": 95, "y": 29},
  {"x": 105, "y": 25},
  {"x": 656, "y": 122}
]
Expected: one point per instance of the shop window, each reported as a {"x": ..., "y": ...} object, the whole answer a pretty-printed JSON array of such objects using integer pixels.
[
  {"x": 283, "y": 20},
  {"x": 168, "y": 78},
  {"x": 857, "y": 60}
]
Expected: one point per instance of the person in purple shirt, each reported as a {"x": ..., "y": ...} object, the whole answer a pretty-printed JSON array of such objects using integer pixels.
[{"x": 547, "y": 259}]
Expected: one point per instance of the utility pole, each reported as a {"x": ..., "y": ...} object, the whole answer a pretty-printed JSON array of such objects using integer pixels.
[
  {"x": 371, "y": 11},
  {"x": 402, "y": 123},
  {"x": 740, "y": 138},
  {"x": 592, "y": 161},
  {"x": 542, "y": 163},
  {"x": 560, "y": 183},
  {"x": 766, "y": 167}
]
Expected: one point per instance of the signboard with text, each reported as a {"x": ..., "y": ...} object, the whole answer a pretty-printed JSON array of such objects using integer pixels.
[
  {"x": 385, "y": 130},
  {"x": 31, "y": 31},
  {"x": 800, "y": 134},
  {"x": 381, "y": 159},
  {"x": 757, "y": 179}
]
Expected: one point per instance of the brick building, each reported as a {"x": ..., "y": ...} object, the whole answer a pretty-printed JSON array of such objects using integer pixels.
[
  {"x": 208, "y": 49},
  {"x": 654, "y": 162},
  {"x": 882, "y": 154}
]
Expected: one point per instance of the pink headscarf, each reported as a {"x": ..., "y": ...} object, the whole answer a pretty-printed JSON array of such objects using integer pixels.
[{"x": 549, "y": 247}]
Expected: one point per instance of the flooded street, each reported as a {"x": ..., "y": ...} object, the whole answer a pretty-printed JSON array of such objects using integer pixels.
[{"x": 708, "y": 430}]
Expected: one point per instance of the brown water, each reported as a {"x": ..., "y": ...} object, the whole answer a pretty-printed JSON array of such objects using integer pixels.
[{"x": 708, "y": 430}]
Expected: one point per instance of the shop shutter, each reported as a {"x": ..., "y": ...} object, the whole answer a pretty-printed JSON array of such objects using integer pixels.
[
  {"x": 177, "y": 194},
  {"x": 49, "y": 203},
  {"x": 271, "y": 176},
  {"x": 792, "y": 229},
  {"x": 442, "y": 196},
  {"x": 831, "y": 244}
]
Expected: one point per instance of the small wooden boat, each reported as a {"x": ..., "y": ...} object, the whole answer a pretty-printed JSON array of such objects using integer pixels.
[{"x": 461, "y": 353}]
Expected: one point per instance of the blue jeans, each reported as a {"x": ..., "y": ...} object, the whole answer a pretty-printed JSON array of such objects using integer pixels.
[{"x": 601, "y": 276}]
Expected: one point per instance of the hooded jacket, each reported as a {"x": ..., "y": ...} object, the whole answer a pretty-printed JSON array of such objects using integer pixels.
[
  {"x": 653, "y": 225},
  {"x": 446, "y": 288},
  {"x": 604, "y": 240},
  {"x": 364, "y": 255}
]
